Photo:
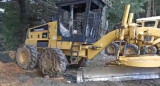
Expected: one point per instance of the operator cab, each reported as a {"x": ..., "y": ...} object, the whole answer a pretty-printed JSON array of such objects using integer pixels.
[
  {"x": 80, "y": 20},
  {"x": 149, "y": 22}
]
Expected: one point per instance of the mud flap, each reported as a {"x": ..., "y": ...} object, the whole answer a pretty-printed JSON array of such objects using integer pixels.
[{"x": 116, "y": 73}]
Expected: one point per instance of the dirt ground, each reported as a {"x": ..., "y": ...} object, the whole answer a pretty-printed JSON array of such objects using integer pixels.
[{"x": 12, "y": 75}]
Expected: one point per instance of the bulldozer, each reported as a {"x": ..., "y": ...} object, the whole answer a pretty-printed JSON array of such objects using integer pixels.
[{"x": 74, "y": 38}]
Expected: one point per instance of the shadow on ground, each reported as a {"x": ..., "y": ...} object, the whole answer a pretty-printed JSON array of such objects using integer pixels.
[{"x": 5, "y": 58}]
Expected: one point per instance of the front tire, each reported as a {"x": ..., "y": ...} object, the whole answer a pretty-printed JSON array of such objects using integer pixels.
[
  {"x": 131, "y": 49},
  {"x": 26, "y": 56}
]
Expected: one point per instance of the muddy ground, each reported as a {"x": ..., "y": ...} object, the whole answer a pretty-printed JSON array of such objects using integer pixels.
[{"x": 12, "y": 75}]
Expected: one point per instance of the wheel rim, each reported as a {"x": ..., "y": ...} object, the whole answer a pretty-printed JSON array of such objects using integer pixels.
[
  {"x": 23, "y": 58},
  {"x": 130, "y": 51},
  {"x": 111, "y": 49},
  {"x": 149, "y": 50}
]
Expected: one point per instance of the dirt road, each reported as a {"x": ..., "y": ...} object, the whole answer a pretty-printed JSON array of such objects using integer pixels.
[{"x": 12, "y": 75}]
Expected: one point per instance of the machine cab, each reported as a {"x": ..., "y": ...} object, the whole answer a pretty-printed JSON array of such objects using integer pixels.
[
  {"x": 149, "y": 22},
  {"x": 80, "y": 20}
]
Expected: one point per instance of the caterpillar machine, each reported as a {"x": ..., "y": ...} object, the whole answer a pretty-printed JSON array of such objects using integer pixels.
[{"x": 75, "y": 38}]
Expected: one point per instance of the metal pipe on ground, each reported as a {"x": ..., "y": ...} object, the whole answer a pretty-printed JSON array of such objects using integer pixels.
[{"x": 116, "y": 73}]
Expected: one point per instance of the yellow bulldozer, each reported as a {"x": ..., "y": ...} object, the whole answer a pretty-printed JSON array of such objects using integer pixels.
[{"x": 74, "y": 37}]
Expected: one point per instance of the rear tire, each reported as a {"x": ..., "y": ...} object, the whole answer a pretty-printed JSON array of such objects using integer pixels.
[
  {"x": 131, "y": 49},
  {"x": 52, "y": 62},
  {"x": 112, "y": 49},
  {"x": 152, "y": 50},
  {"x": 26, "y": 57}
]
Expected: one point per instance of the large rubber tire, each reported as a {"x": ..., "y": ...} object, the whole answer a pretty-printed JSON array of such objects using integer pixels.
[
  {"x": 152, "y": 50},
  {"x": 52, "y": 62},
  {"x": 27, "y": 56},
  {"x": 143, "y": 50},
  {"x": 131, "y": 49},
  {"x": 112, "y": 49},
  {"x": 158, "y": 52},
  {"x": 149, "y": 50}
]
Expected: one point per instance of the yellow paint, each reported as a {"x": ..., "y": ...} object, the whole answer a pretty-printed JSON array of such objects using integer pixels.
[
  {"x": 82, "y": 53},
  {"x": 141, "y": 61},
  {"x": 130, "y": 18},
  {"x": 125, "y": 16},
  {"x": 31, "y": 42},
  {"x": 130, "y": 33},
  {"x": 64, "y": 45},
  {"x": 124, "y": 21},
  {"x": 53, "y": 34},
  {"x": 53, "y": 40},
  {"x": 102, "y": 43},
  {"x": 156, "y": 41}
]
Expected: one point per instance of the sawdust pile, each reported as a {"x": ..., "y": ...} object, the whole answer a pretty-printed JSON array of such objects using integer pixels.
[
  {"x": 8, "y": 73},
  {"x": 8, "y": 70},
  {"x": 13, "y": 75}
]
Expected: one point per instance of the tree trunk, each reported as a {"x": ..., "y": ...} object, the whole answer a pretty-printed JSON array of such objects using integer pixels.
[
  {"x": 155, "y": 7},
  {"x": 22, "y": 10},
  {"x": 149, "y": 7},
  {"x": 23, "y": 18}
]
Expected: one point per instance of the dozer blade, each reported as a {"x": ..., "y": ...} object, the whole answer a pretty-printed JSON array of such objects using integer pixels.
[{"x": 116, "y": 73}]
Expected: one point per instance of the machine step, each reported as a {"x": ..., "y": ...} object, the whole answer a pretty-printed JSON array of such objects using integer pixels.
[{"x": 75, "y": 48}]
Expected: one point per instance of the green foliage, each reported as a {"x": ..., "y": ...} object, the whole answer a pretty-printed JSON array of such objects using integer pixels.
[
  {"x": 158, "y": 6},
  {"x": 13, "y": 29},
  {"x": 11, "y": 26},
  {"x": 115, "y": 13},
  {"x": 36, "y": 11}
]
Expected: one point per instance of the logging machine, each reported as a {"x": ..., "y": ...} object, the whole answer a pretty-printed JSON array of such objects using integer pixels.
[{"x": 75, "y": 38}]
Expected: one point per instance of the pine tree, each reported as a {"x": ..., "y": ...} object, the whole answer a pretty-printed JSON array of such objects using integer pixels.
[
  {"x": 21, "y": 14},
  {"x": 115, "y": 12},
  {"x": 11, "y": 25}
]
